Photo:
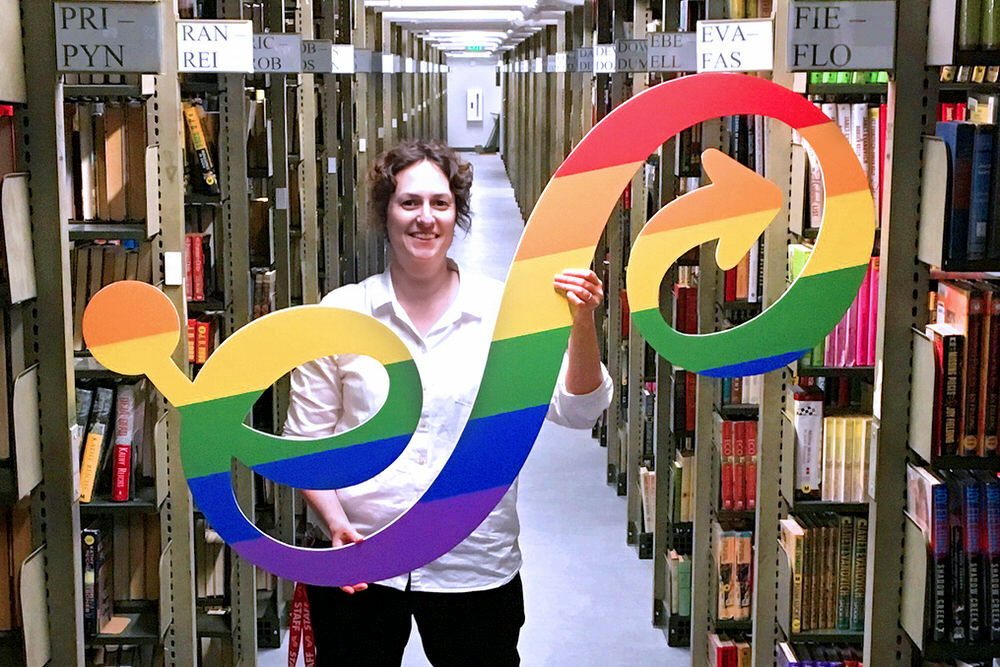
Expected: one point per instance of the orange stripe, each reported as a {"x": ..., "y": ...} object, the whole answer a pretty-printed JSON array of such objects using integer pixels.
[{"x": 842, "y": 173}]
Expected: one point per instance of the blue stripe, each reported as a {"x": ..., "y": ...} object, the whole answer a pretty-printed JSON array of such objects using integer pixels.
[
  {"x": 755, "y": 367},
  {"x": 489, "y": 454},
  {"x": 335, "y": 468},
  {"x": 215, "y": 498}
]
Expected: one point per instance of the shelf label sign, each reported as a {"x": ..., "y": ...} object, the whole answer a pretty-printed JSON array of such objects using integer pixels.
[
  {"x": 109, "y": 37},
  {"x": 363, "y": 61},
  {"x": 214, "y": 46},
  {"x": 317, "y": 56},
  {"x": 342, "y": 58},
  {"x": 841, "y": 35},
  {"x": 631, "y": 55},
  {"x": 604, "y": 59},
  {"x": 573, "y": 61},
  {"x": 672, "y": 52},
  {"x": 277, "y": 53},
  {"x": 735, "y": 46},
  {"x": 585, "y": 60}
]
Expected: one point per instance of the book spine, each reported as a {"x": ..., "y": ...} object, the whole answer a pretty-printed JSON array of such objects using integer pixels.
[
  {"x": 89, "y": 548},
  {"x": 197, "y": 267},
  {"x": 859, "y": 574},
  {"x": 727, "y": 465},
  {"x": 950, "y": 403},
  {"x": 959, "y": 138},
  {"x": 844, "y": 582},
  {"x": 979, "y": 196},
  {"x": 970, "y": 402},
  {"x": 989, "y": 406},
  {"x": 192, "y": 333},
  {"x": 969, "y": 22},
  {"x": 690, "y": 409},
  {"x": 956, "y": 563},
  {"x": 939, "y": 562},
  {"x": 739, "y": 465},
  {"x": 751, "y": 465},
  {"x": 203, "y": 158},
  {"x": 991, "y": 542},
  {"x": 972, "y": 511},
  {"x": 122, "y": 472},
  {"x": 188, "y": 267},
  {"x": 863, "y": 300},
  {"x": 798, "y": 563}
]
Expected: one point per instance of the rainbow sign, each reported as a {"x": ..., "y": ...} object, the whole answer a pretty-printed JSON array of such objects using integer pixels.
[{"x": 133, "y": 328}]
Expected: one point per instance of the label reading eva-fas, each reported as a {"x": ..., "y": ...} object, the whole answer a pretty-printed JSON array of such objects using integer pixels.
[
  {"x": 839, "y": 35},
  {"x": 735, "y": 46},
  {"x": 108, "y": 37},
  {"x": 214, "y": 46},
  {"x": 277, "y": 53}
]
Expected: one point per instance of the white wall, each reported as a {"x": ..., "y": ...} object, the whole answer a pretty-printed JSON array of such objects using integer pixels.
[{"x": 465, "y": 73}]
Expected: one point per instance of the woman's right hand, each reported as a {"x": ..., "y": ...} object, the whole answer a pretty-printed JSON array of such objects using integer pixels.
[{"x": 341, "y": 534}]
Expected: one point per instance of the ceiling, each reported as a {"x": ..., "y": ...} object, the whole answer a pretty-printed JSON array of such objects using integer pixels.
[{"x": 464, "y": 28}]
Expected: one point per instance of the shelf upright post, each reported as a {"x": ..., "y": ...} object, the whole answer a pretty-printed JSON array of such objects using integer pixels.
[
  {"x": 389, "y": 84},
  {"x": 284, "y": 496},
  {"x": 236, "y": 268},
  {"x": 362, "y": 38},
  {"x": 346, "y": 149},
  {"x": 307, "y": 171},
  {"x": 176, "y": 525},
  {"x": 908, "y": 120},
  {"x": 48, "y": 213},
  {"x": 329, "y": 226}
]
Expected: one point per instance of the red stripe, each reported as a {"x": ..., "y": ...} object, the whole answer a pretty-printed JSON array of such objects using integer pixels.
[{"x": 635, "y": 129}]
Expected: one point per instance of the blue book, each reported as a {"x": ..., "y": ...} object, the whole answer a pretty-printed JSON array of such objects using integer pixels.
[
  {"x": 959, "y": 137},
  {"x": 972, "y": 508},
  {"x": 991, "y": 554},
  {"x": 982, "y": 187},
  {"x": 939, "y": 564}
]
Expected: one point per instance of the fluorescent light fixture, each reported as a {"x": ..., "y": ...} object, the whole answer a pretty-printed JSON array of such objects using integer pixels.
[
  {"x": 458, "y": 15},
  {"x": 450, "y": 4}
]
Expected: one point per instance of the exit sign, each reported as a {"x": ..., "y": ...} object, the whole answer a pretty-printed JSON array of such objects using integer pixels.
[{"x": 473, "y": 48}]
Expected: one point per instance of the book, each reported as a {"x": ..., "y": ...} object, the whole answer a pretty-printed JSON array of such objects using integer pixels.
[
  {"x": 859, "y": 572},
  {"x": 727, "y": 463},
  {"x": 96, "y": 440},
  {"x": 989, "y": 539},
  {"x": 750, "y": 472},
  {"x": 962, "y": 305},
  {"x": 981, "y": 190},
  {"x": 970, "y": 14},
  {"x": 792, "y": 537},
  {"x": 959, "y": 137},
  {"x": 204, "y": 178},
  {"x": 739, "y": 465},
  {"x": 948, "y": 370},
  {"x": 845, "y": 585},
  {"x": 808, "y": 426}
]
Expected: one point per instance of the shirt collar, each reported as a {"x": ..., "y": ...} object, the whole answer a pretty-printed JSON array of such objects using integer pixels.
[{"x": 467, "y": 301}]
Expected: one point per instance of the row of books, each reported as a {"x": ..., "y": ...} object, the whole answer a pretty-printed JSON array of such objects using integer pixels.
[
  {"x": 683, "y": 488},
  {"x": 684, "y": 409},
  {"x": 852, "y": 341},
  {"x": 744, "y": 390},
  {"x": 978, "y": 108},
  {"x": 966, "y": 337},
  {"x": 121, "y": 561},
  {"x": 978, "y": 25},
  {"x": 264, "y": 286},
  {"x": 972, "y": 218},
  {"x": 959, "y": 515},
  {"x": 738, "y": 464},
  {"x": 15, "y": 546},
  {"x": 811, "y": 655},
  {"x": 744, "y": 281},
  {"x": 201, "y": 154},
  {"x": 198, "y": 266},
  {"x": 849, "y": 78},
  {"x": 679, "y": 583},
  {"x": 726, "y": 652},
  {"x": 202, "y": 337},
  {"x": 831, "y": 453},
  {"x": 749, "y": 9},
  {"x": 95, "y": 266},
  {"x": 864, "y": 126},
  {"x": 732, "y": 551},
  {"x": 106, "y": 159},
  {"x": 828, "y": 555},
  {"x": 211, "y": 572},
  {"x": 114, "y": 434},
  {"x": 685, "y": 308}
]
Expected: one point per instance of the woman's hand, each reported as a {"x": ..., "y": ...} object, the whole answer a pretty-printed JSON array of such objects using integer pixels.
[
  {"x": 341, "y": 534},
  {"x": 583, "y": 289}
]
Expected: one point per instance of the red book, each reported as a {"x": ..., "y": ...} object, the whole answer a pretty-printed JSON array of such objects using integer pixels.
[
  {"x": 946, "y": 111},
  {"x": 121, "y": 472},
  {"x": 736, "y": 391},
  {"x": 739, "y": 465},
  {"x": 623, "y": 296},
  {"x": 197, "y": 267},
  {"x": 960, "y": 110},
  {"x": 691, "y": 310},
  {"x": 861, "y": 340},
  {"x": 690, "y": 401},
  {"x": 188, "y": 268},
  {"x": 203, "y": 341},
  {"x": 989, "y": 393},
  {"x": 727, "y": 465},
  {"x": 883, "y": 113},
  {"x": 750, "y": 470},
  {"x": 872, "y": 309},
  {"x": 192, "y": 339},
  {"x": 730, "y": 285},
  {"x": 680, "y": 298}
]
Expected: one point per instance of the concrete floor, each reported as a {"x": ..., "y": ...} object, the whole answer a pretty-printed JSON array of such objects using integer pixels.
[{"x": 588, "y": 597}]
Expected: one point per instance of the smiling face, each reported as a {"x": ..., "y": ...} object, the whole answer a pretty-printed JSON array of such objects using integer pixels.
[{"x": 420, "y": 217}]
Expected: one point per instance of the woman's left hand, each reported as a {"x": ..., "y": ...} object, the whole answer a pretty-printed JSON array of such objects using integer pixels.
[{"x": 583, "y": 289}]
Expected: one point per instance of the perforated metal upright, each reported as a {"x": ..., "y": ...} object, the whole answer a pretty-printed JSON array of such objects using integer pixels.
[{"x": 306, "y": 166}]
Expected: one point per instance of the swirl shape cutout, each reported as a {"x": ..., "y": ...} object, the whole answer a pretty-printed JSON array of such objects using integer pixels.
[{"x": 132, "y": 328}]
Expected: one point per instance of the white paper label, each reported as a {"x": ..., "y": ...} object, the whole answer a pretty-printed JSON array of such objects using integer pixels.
[
  {"x": 215, "y": 46},
  {"x": 173, "y": 268},
  {"x": 342, "y": 57},
  {"x": 736, "y": 46}
]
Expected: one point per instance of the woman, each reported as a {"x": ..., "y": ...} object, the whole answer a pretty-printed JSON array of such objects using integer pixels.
[{"x": 468, "y": 604}]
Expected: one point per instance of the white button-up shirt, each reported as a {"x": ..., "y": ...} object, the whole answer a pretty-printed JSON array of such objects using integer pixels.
[{"x": 336, "y": 394}]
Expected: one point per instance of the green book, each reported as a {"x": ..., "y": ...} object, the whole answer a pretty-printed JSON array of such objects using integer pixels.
[
  {"x": 990, "y": 34},
  {"x": 970, "y": 13},
  {"x": 684, "y": 586}
]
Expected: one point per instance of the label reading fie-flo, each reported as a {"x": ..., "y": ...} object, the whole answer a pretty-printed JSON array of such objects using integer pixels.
[{"x": 841, "y": 35}]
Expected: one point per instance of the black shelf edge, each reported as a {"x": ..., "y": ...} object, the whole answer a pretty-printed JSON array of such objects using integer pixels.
[
  {"x": 198, "y": 199},
  {"x": 143, "y": 627},
  {"x": 737, "y": 410},
  {"x": 955, "y": 462},
  {"x": 847, "y": 88},
  {"x": 209, "y": 305},
  {"x": 812, "y": 506},
  {"x": 977, "y": 57},
  {"x": 942, "y": 651},
  {"x": 86, "y": 367},
  {"x": 968, "y": 87},
  {"x": 91, "y": 231},
  {"x": 733, "y": 626},
  {"x": 214, "y": 625},
  {"x": 104, "y": 90},
  {"x": 144, "y": 502},
  {"x": 969, "y": 266},
  {"x": 735, "y": 515},
  {"x": 828, "y": 637},
  {"x": 862, "y": 372}
]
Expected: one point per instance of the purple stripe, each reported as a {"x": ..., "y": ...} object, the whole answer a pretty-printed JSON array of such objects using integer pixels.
[{"x": 424, "y": 533}]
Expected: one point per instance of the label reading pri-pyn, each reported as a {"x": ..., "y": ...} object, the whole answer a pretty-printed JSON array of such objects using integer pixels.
[
  {"x": 735, "y": 46},
  {"x": 215, "y": 46},
  {"x": 108, "y": 37},
  {"x": 841, "y": 35}
]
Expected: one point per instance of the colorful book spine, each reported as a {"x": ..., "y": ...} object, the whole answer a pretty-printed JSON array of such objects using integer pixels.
[
  {"x": 981, "y": 189},
  {"x": 844, "y": 583},
  {"x": 739, "y": 465},
  {"x": 972, "y": 507},
  {"x": 750, "y": 474},
  {"x": 727, "y": 465},
  {"x": 939, "y": 562},
  {"x": 959, "y": 137},
  {"x": 859, "y": 573},
  {"x": 990, "y": 541}
]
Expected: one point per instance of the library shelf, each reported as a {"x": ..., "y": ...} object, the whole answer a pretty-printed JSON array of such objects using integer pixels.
[
  {"x": 144, "y": 502},
  {"x": 847, "y": 88},
  {"x": 143, "y": 627},
  {"x": 828, "y": 637},
  {"x": 92, "y": 231},
  {"x": 824, "y": 506},
  {"x": 866, "y": 373}
]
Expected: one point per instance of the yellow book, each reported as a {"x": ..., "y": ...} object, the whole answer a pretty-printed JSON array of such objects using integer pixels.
[{"x": 94, "y": 442}]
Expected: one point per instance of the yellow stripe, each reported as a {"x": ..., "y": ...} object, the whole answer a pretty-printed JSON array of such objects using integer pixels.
[
  {"x": 849, "y": 235},
  {"x": 530, "y": 303}
]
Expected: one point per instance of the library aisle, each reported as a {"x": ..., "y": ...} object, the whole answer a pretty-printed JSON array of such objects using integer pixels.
[{"x": 586, "y": 593}]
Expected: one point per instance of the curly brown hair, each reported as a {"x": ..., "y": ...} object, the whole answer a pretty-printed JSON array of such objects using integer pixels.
[{"x": 383, "y": 170}]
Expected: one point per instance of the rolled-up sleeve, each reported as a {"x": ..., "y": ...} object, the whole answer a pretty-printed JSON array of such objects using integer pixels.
[{"x": 579, "y": 410}]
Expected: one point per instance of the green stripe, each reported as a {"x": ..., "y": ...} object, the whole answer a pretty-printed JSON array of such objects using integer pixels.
[
  {"x": 521, "y": 372},
  {"x": 214, "y": 432},
  {"x": 795, "y": 322}
]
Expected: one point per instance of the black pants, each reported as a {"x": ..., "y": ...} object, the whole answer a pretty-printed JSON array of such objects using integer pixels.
[{"x": 371, "y": 627}]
